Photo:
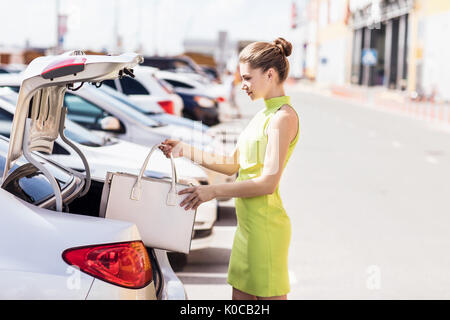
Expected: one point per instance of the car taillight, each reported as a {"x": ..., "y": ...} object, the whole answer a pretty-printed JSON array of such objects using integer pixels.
[
  {"x": 167, "y": 105},
  {"x": 220, "y": 99},
  {"x": 125, "y": 264}
]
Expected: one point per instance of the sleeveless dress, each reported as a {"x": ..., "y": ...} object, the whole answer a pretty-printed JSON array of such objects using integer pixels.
[{"x": 259, "y": 257}]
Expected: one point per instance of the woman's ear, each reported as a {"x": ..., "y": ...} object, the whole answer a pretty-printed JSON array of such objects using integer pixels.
[{"x": 270, "y": 74}]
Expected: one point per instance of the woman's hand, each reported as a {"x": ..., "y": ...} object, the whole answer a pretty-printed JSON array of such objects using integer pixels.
[
  {"x": 197, "y": 195},
  {"x": 174, "y": 147}
]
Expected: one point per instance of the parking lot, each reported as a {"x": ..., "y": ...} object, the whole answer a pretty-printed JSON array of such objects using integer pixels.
[
  {"x": 368, "y": 205},
  {"x": 364, "y": 191}
]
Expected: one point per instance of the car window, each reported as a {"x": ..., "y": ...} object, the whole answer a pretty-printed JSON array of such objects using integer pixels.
[
  {"x": 81, "y": 135},
  {"x": 136, "y": 115},
  {"x": 132, "y": 86},
  {"x": 59, "y": 149},
  {"x": 6, "y": 119},
  {"x": 27, "y": 182},
  {"x": 72, "y": 130},
  {"x": 160, "y": 64},
  {"x": 110, "y": 83},
  {"x": 84, "y": 112},
  {"x": 126, "y": 100},
  {"x": 14, "y": 88},
  {"x": 182, "y": 66},
  {"x": 178, "y": 84}
]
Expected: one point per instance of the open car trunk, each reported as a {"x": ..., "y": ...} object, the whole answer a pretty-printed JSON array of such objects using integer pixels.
[
  {"x": 39, "y": 120},
  {"x": 40, "y": 115}
]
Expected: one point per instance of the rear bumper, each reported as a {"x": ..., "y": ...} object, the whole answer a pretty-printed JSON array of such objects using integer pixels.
[{"x": 101, "y": 290}]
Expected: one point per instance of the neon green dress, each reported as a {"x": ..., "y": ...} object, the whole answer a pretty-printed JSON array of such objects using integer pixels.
[{"x": 259, "y": 258}]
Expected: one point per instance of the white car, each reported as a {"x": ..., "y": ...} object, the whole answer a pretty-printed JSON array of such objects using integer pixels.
[
  {"x": 116, "y": 155},
  {"x": 28, "y": 207},
  {"x": 97, "y": 110},
  {"x": 56, "y": 254},
  {"x": 157, "y": 114},
  {"x": 147, "y": 91},
  {"x": 188, "y": 83}
]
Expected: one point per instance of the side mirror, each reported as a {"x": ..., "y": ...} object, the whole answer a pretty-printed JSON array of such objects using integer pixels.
[{"x": 110, "y": 123}]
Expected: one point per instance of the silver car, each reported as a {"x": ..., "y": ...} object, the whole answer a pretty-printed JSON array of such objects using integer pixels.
[
  {"x": 112, "y": 154},
  {"x": 57, "y": 252}
]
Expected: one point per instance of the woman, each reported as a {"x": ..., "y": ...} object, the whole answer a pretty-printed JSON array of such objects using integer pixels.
[{"x": 258, "y": 266}]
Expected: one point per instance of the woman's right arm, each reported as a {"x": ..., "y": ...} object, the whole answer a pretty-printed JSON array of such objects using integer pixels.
[{"x": 228, "y": 165}]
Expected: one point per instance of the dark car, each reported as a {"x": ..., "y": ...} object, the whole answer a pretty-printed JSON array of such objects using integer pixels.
[
  {"x": 174, "y": 64},
  {"x": 197, "y": 105},
  {"x": 212, "y": 73}
]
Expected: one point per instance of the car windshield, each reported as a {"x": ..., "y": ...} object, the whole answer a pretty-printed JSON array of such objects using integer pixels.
[
  {"x": 125, "y": 108},
  {"x": 124, "y": 99},
  {"x": 28, "y": 183}
]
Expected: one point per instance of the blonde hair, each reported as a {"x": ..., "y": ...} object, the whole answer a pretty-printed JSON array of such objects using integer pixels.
[{"x": 266, "y": 55}]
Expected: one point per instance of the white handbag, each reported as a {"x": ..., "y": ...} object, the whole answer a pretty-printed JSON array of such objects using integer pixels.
[{"x": 153, "y": 205}]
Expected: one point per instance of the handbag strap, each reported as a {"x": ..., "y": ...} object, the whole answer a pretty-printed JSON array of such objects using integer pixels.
[{"x": 137, "y": 188}]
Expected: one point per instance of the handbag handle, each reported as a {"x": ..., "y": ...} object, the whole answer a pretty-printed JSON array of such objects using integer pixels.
[{"x": 137, "y": 188}]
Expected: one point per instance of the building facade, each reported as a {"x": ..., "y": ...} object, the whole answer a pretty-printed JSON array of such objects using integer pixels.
[
  {"x": 398, "y": 44},
  {"x": 429, "y": 68},
  {"x": 381, "y": 30},
  {"x": 410, "y": 41},
  {"x": 326, "y": 41}
]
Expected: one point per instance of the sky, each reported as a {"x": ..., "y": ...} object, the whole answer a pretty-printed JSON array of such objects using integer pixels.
[{"x": 156, "y": 25}]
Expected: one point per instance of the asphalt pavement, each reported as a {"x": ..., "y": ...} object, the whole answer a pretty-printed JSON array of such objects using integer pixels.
[{"x": 367, "y": 192}]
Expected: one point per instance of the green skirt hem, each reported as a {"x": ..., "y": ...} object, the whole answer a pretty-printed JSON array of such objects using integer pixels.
[{"x": 256, "y": 292}]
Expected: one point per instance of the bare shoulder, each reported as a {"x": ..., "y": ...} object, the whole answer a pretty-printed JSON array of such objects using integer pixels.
[
  {"x": 285, "y": 118},
  {"x": 286, "y": 115}
]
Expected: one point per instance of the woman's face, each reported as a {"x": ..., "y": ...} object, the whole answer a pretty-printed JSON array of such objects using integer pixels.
[{"x": 254, "y": 82}]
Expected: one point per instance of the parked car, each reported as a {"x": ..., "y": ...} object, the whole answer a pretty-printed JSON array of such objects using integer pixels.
[
  {"x": 198, "y": 99},
  {"x": 68, "y": 255},
  {"x": 101, "y": 154},
  {"x": 12, "y": 68},
  {"x": 97, "y": 109},
  {"x": 212, "y": 73},
  {"x": 157, "y": 114},
  {"x": 178, "y": 64},
  {"x": 146, "y": 91},
  {"x": 115, "y": 155}
]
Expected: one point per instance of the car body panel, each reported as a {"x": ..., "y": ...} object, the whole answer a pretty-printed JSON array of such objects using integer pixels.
[
  {"x": 34, "y": 238},
  {"x": 32, "y": 266}
]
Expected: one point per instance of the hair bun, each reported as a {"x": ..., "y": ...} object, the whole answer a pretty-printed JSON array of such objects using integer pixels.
[{"x": 284, "y": 46}]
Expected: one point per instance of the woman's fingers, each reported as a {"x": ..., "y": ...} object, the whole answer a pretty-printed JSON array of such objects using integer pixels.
[
  {"x": 196, "y": 205},
  {"x": 166, "y": 149},
  {"x": 188, "y": 199},
  {"x": 170, "y": 142},
  {"x": 171, "y": 147},
  {"x": 187, "y": 190},
  {"x": 193, "y": 203}
]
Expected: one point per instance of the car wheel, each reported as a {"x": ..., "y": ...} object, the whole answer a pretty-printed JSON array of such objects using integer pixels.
[{"x": 177, "y": 260}]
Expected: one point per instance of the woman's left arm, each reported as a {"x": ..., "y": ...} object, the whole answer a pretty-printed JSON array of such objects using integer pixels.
[{"x": 281, "y": 131}]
